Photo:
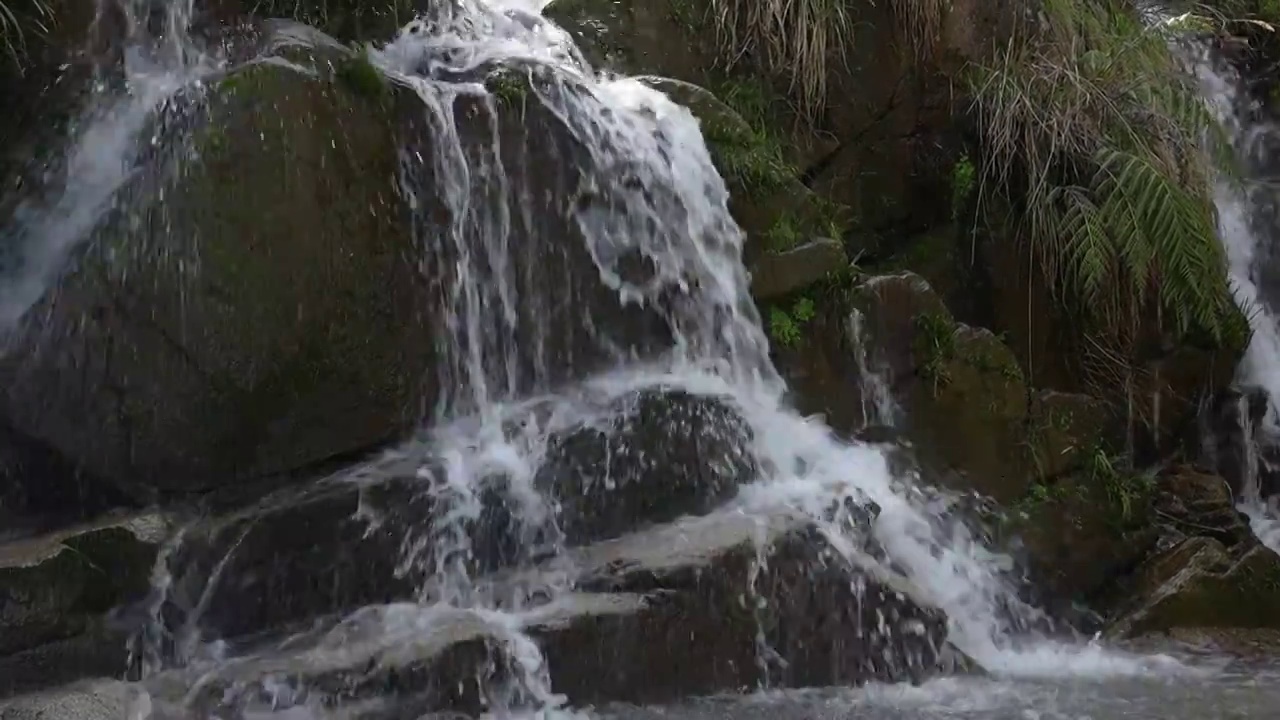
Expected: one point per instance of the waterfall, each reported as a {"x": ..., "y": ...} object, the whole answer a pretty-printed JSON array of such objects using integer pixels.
[
  {"x": 653, "y": 222},
  {"x": 1247, "y": 240}
]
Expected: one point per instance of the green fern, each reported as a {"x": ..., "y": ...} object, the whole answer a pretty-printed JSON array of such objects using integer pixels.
[{"x": 1114, "y": 154}]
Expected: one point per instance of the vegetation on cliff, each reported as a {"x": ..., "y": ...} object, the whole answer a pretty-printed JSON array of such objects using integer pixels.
[
  {"x": 1090, "y": 128},
  {"x": 800, "y": 39}
]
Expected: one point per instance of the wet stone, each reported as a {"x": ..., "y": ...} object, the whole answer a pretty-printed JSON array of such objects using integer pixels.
[
  {"x": 380, "y": 532},
  {"x": 689, "y": 609},
  {"x": 58, "y": 597}
]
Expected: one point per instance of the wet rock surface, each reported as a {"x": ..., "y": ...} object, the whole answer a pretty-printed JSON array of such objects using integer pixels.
[
  {"x": 57, "y": 593},
  {"x": 158, "y": 377},
  {"x": 369, "y": 535},
  {"x": 691, "y": 608}
]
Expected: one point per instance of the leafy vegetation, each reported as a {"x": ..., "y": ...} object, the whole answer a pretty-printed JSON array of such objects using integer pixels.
[
  {"x": 935, "y": 347},
  {"x": 1089, "y": 126},
  {"x": 751, "y": 156},
  {"x": 963, "y": 177},
  {"x": 786, "y": 326}
]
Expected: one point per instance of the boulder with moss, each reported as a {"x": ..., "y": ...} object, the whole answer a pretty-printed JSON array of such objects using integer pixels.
[
  {"x": 965, "y": 400},
  {"x": 58, "y": 592},
  {"x": 774, "y": 208},
  {"x": 1109, "y": 537},
  {"x": 885, "y": 350},
  {"x": 1201, "y": 583}
]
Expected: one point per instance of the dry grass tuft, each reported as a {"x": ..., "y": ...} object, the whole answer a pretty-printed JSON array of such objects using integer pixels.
[{"x": 800, "y": 39}]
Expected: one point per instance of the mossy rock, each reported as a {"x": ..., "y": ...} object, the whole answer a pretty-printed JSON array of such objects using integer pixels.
[
  {"x": 60, "y": 586},
  {"x": 1062, "y": 429},
  {"x": 777, "y": 274},
  {"x": 1079, "y": 532},
  {"x": 1201, "y": 584},
  {"x": 259, "y": 284}
]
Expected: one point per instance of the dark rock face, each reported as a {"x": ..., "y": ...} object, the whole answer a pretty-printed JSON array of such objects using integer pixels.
[
  {"x": 671, "y": 454},
  {"x": 40, "y": 489},
  {"x": 267, "y": 274},
  {"x": 209, "y": 336}
]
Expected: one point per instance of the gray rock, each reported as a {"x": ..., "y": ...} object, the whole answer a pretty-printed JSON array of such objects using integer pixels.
[{"x": 776, "y": 274}]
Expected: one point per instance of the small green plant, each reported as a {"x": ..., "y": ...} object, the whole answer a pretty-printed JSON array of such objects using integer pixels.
[
  {"x": 935, "y": 347},
  {"x": 784, "y": 234},
  {"x": 1125, "y": 487},
  {"x": 785, "y": 327},
  {"x": 510, "y": 87}
]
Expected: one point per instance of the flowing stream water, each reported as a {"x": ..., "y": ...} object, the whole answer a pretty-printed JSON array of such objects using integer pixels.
[{"x": 672, "y": 212}]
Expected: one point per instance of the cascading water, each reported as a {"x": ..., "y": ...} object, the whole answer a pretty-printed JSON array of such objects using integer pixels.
[
  {"x": 1246, "y": 240},
  {"x": 654, "y": 221},
  {"x": 159, "y": 61}
]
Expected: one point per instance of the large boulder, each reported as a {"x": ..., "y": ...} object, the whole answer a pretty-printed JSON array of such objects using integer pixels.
[
  {"x": 256, "y": 282},
  {"x": 57, "y": 597},
  {"x": 885, "y": 350},
  {"x": 278, "y": 267}
]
